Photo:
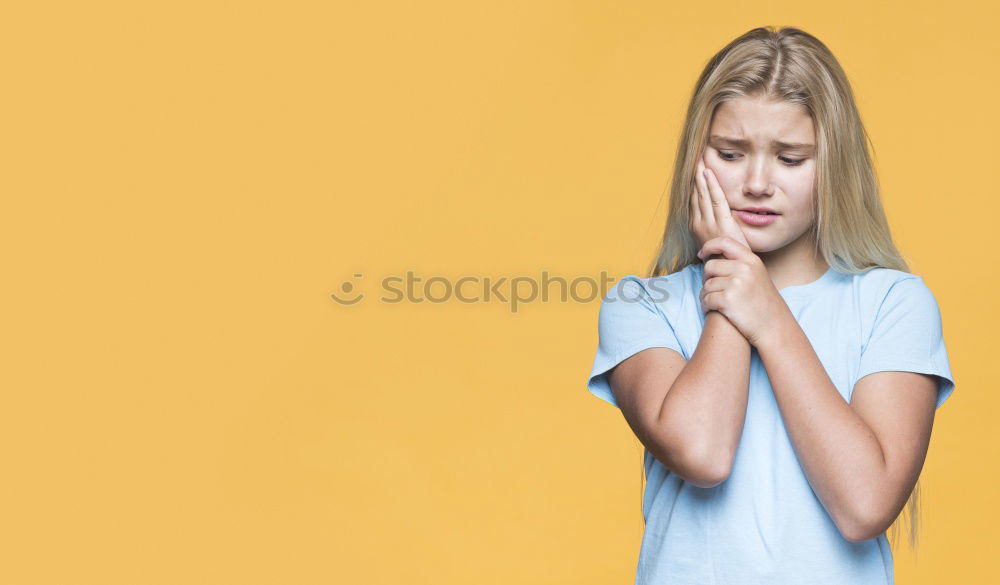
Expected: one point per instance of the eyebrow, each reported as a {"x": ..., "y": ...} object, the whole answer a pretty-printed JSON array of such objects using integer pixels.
[{"x": 742, "y": 143}]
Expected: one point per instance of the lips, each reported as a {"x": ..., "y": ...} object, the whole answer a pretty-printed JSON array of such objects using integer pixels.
[
  {"x": 760, "y": 210},
  {"x": 756, "y": 219}
]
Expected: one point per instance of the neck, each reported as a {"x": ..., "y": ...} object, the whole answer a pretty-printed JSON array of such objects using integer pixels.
[{"x": 795, "y": 264}]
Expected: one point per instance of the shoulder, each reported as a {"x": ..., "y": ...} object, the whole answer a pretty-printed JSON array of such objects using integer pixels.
[
  {"x": 875, "y": 284},
  {"x": 879, "y": 277},
  {"x": 885, "y": 290},
  {"x": 667, "y": 294}
]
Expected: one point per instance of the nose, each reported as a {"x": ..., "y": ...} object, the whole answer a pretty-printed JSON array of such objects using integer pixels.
[{"x": 758, "y": 179}]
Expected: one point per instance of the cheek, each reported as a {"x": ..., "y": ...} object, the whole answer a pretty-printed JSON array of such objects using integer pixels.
[
  {"x": 800, "y": 192},
  {"x": 723, "y": 176},
  {"x": 802, "y": 211},
  {"x": 713, "y": 162}
]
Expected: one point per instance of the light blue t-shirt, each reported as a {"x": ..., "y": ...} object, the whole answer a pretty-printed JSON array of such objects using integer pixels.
[{"x": 764, "y": 524}]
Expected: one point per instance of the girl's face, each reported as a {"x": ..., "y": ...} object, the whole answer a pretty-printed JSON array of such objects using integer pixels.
[{"x": 764, "y": 155}]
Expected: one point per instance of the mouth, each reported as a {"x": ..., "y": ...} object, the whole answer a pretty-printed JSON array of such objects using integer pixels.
[
  {"x": 759, "y": 210},
  {"x": 757, "y": 218}
]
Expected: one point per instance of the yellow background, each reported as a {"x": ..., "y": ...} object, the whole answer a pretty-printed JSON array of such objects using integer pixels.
[{"x": 186, "y": 183}]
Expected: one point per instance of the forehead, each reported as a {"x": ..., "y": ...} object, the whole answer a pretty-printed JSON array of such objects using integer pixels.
[{"x": 763, "y": 120}]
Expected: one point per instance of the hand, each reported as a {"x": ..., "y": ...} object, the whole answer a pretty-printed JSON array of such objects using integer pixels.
[
  {"x": 711, "y": 216},
  {"x": 738, "y": 286}
]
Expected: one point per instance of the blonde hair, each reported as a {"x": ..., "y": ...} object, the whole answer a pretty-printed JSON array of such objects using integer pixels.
[{"x": 851, "y": 231}]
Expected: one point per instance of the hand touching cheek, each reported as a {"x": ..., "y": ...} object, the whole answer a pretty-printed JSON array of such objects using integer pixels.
[{"x": 710, "y": 215}]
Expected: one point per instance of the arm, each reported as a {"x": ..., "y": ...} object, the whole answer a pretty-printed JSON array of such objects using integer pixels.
[
  {"x": 862, "y": 458},
  {"x": 689, "y": 414}
]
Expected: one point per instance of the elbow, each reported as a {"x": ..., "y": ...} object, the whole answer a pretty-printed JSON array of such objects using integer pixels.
[
  {"x": 861, "y": 532},
  {"x": 701, "y": 464},
  {"x": 705, "y": 469},
  {"x": 711, "y": 478},
  {"x": 863, "y": 525}
]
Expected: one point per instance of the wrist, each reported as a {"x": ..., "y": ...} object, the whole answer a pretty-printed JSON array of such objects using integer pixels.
[
  {"x": 718, "y": 325},
  {"x": 778, "y": 333}
]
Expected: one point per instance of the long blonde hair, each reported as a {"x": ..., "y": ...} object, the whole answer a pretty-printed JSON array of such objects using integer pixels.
[{"x": 851, "y": 231}]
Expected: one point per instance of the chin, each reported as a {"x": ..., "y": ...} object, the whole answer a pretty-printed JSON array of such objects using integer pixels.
[{"x": 760, "y": 245}]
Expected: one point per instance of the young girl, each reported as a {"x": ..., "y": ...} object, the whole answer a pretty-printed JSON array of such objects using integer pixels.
[{"x": 784, "y": 373}]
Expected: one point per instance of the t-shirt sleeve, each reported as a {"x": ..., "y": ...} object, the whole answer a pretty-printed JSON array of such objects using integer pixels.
[
  {"x": 629, "y": 322},
  {"x": 907, "y": 336}
]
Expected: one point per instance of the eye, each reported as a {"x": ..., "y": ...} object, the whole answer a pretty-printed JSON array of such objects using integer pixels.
[{"x": 791, "y": 162}]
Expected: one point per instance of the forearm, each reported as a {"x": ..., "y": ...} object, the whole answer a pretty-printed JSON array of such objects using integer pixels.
[
  {"x": 839, "y": 453},
  {"x": 705, "y": 408}
]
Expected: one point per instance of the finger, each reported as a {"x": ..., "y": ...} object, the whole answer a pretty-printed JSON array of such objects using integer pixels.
[
  {"x": 714, "y": 284},
  {"x": 695, "y": 209},
  {"x": 715, "y": 267},
  {"x": 704, "y": 198},
  {"x": 719, "y": 203},
  {"x": 726, "y": 246},
  {"x": 712, "y": 302},
  {"x": 712, "y": 293},
  {"x": 723, "y": 213}
]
